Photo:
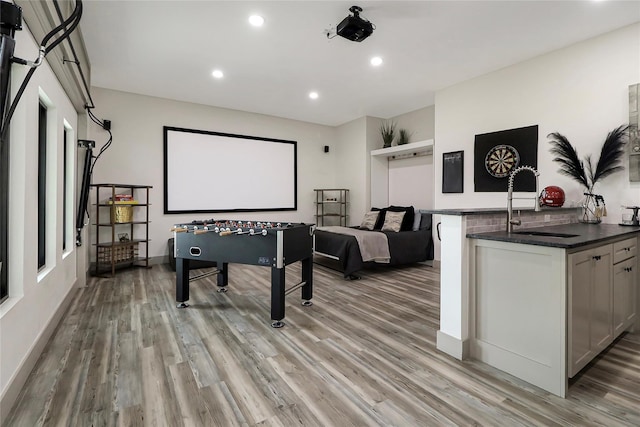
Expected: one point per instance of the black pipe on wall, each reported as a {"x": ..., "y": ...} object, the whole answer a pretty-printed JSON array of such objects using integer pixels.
[
  {"x": 10, "y": 21},
  {"x": 83, "y": 197}
]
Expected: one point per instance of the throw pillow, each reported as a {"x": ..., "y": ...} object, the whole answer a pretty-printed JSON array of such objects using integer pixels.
[
  {"x": 407, "y": 222},
  {"x": 380, "y": 220},
  {"x": 416, "y": 219},
  {"x": 369, "y": 220},
  {"x": 393, "y": 221}
]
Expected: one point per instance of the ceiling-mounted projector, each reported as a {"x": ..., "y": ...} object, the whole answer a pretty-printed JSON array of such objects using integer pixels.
[{"x": 353, "y": 27}]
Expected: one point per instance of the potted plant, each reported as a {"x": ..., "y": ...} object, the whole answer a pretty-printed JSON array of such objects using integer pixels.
[
  {"x": 388, "y": 132},
  {"x": 592, "y": 206},
  {"x": 403, "y": 137}
]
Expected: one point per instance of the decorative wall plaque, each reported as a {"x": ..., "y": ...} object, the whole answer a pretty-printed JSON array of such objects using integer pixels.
[{"x": 496, "y": 154}]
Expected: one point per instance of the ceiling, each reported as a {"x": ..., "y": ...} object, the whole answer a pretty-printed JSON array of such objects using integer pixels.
[{"x": 168, "y": 49}]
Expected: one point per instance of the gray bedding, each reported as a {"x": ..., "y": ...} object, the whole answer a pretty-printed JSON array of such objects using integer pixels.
[{"x": 405, "y": 247}]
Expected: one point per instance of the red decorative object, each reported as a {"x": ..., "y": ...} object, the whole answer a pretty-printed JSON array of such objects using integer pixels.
[{"x": 552, "y": 196}]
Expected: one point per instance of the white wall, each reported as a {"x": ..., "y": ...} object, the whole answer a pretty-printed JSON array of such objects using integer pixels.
[
  {"x": 36, "y": 298},
  {"x": 136, "y": 155},
  {"x": 411, "y": 182},
  {"x": 420, "y": 123},
  {"x": 580, "y": 91},
  {"x": 351, "y": 166}
]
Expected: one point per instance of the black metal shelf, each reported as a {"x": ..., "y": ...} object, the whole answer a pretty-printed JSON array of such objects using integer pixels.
[
  {"x": 111, "y": 253},
  {"x": 332, "y": 203}
]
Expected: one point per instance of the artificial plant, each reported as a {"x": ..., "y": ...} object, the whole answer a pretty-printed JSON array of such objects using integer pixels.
[
  {"x": 583, "y": 171},
  {"x": 403, "y": 137},
  {"x": 388, "y": 132}
]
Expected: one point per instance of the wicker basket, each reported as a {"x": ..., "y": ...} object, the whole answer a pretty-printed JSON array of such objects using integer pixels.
[
  {"x": 121, "y": 214},
  {"x": 117, "y": 254}
]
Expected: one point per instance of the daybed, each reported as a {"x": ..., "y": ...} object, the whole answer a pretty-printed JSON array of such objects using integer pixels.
[{"x": 413, "y": 243}]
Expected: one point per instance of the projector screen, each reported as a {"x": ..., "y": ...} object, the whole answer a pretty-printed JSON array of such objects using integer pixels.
[{"x": 222, "y": 172}]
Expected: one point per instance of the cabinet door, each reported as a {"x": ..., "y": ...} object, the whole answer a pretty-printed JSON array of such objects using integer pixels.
[
  {"x": 624, "y": 295},
  {"x": 625, "y": 249},
  {"x": 590, "y": 305},
  {"x": 580, "y": 274},
  {"x": 602, "y": 299}
]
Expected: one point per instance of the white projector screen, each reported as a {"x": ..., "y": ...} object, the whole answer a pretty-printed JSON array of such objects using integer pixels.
[{"x": 221, "y": 172}]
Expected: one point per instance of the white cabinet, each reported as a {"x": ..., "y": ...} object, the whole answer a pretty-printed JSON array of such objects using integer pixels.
[
  {"x": 590, "y": 305},
  {"x": 602, "y": 299},
  {"x": 380, "y": 167},
  {"x": 542, "y": 313},
  {"x": 625, "y": 279}
]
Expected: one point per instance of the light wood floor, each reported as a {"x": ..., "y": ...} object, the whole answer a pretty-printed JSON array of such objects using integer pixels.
[{"x": 363, "y": 355}]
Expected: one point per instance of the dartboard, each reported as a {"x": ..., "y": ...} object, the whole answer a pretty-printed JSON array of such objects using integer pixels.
[{"x": 501, "y": 160}]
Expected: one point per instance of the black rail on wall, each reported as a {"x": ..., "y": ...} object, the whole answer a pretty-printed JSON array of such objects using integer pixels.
[{"x": 10, "y": 21}]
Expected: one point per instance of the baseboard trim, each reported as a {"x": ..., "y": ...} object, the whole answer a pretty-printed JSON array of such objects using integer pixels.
[
  {"x": 156, "y": 260},
  {"x": 11, "y": 393},
  {"x": 452, "y": 346}
]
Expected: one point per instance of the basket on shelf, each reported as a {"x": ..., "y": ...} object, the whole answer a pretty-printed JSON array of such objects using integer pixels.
[
  {"x": 121, "y": 214},
  {"x": 120, "y": 253}
]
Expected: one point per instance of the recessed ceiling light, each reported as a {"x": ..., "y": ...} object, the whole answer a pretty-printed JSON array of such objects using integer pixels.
[
  {"x": 313, "y": 95},
  {"x": 376, "y": 60},
  {"x": 217, "y": 74},
  {"x": 256, "y": 20}
]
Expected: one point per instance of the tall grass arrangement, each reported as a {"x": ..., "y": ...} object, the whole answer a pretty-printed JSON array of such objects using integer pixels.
[{"x": 388, "y": 132}]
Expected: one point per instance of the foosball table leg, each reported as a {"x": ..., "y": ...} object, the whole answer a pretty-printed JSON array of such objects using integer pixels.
[
  {"x": 223, "y": 276},
  {"x": 182, "y": 282},
  {"x": 307, "y": 278},
  {"x": 277, "y": 296}
]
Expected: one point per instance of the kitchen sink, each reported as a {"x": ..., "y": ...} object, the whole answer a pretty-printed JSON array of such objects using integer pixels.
[{"x": 545, "y": 234}]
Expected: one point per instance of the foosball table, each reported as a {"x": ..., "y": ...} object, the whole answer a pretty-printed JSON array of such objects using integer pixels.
[{"x": 269, "y": 244}]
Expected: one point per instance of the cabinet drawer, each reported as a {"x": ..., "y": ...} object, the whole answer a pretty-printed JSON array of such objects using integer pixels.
[{"x": 624, "y": 249}]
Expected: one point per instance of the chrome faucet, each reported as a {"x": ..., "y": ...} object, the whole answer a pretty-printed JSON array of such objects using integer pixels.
[{"x": 510, "y": 221}]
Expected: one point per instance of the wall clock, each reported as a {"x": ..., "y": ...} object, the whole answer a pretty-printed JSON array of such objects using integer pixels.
[{"x": 501, "y": 160}]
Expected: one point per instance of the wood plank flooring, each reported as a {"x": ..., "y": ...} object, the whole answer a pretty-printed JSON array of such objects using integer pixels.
[{"x": 363, "y": 355}]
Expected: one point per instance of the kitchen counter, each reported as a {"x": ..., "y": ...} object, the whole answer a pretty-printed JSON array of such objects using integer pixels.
[
  {"x": 586, "y": 234},
  {"x": 489, "y": 211}
]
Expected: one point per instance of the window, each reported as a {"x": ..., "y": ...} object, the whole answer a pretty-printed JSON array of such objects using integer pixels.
[
  {"x": 4, "y": 218},
  {"x": 65, "y": 190},
  {"x": 68, "y": 190},
  {"x": 42, "y": 184}
]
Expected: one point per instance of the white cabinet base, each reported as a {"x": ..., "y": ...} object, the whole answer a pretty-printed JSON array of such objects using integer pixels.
[{"x": 519, "y": 311}]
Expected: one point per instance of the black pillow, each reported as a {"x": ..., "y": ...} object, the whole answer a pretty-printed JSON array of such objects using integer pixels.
[
  {"x": 380, "y": 220},
  {"x": 426, "y": 221},
  {"x": 407, "y": 221}
]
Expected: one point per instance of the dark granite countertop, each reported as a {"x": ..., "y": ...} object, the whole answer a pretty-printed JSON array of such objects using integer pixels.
[
  {"x": 585, "y": 234},
  {"x": 489, "y": 211}
]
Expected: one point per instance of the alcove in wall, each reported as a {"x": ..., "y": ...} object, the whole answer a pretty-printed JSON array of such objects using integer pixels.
[{"x": 403, "y": 175}]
